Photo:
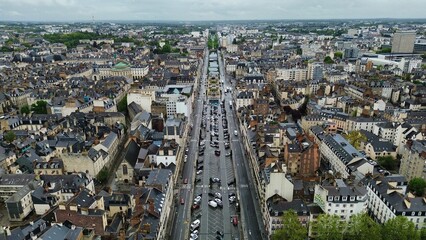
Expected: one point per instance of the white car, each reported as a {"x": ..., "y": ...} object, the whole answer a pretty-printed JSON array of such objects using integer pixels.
[
  {"x": 194, "y": 236},
  {"x": 212, "y": 204},
  {"x": 218, "y": 195},
  {"x": 199, "y": 172},
  {"x": 218, "y": 200},
  {"x": 195, "y": 232},
  {"x": 197, "y": 199}
]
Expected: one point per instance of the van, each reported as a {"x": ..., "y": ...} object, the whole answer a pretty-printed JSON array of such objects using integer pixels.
[{"x": 213, "y": 204}]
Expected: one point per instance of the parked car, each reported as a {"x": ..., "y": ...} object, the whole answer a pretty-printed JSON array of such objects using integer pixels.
[
  {"x": 235, "y": 221},
  {"x": 213, "y": 204}
]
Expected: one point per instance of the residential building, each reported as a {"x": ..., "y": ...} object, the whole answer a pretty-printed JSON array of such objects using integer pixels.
[
  {"x": 413, "y": 161},
  {"x": 20, "y": 204},
  {"x": 84, "y": 210},
  {"x": 336, "y": 197},
  {"x": 339, "y": 153},
  {"x": 388, "y": 198},
  {"x": 376, "y": 147},
  {"x": 302, "y": 157}
]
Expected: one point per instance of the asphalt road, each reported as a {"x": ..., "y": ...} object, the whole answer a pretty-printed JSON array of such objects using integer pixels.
[
  {"x": 248, "y": 200},
  {"x": 182, "y": 218}
]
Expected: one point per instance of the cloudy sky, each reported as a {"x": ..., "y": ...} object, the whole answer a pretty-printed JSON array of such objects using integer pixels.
[{"x": 83, "y": 10}]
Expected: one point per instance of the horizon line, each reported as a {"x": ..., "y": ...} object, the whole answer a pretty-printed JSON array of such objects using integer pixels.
[{"x": 208, "y": 20}]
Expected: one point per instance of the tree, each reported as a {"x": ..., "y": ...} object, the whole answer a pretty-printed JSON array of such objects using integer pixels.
[
  {"x": 400, "y": 228},
  {"x": 292, "y": 229},
  {"x": 388, "y": 162},
  {"x": 9, "y": 136},
  {"x": 25, "y": 109},
  {"x": 417, "y": 185},
  {"x": 338, "y": 55},
  {"x": 361, "y": 226},
  {"x": 329, "y": 227},
  {"x": 299, "y": 51},
  {"x": 122, "y": 105},
  {"x": 355, "y": 138},
  {"x": 328, "y": 60},
  {"x": 384, "y": 50},
  {"x": 102, "y": 176},
  {"x": 40, "y": 107}
]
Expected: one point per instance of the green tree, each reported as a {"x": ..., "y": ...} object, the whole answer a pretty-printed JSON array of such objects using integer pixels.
[
  {"x": 9, "y": 136},
  {"x": 166, "y": 48},
  {"x": 423, "y": 234},
  {"x": 40, "y": 107},
  {"x": 102, "y": 176},
  {"x": 417, "y": 185},
  {"x": 400, "y": 228},
  {"x": 361, "y": 226},
  {"x": 384, "y": 50},
  {"x": 355, "y": 138},
  {"x": 25, "y": 109},
  {"x": 299, "y": 51},
  {"x": 329, "y": 227},
  {"x": 338, "y": 55},
  {"x": 328, "y": 60},
  {"x": 388, "y": 162},
  {"x": 122, "y": 105},
  {"x": 292, "y": 229}
]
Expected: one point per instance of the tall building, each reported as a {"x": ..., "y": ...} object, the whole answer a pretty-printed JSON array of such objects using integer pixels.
[
  {"x": 403, "y": 42},
  {"x": 351, "y": 52}
]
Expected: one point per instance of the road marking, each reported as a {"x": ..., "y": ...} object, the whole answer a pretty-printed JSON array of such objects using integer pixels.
[{"x": 244, "y": 185}]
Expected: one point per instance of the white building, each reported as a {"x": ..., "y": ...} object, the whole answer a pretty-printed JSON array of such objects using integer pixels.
[
  {"x": 244, "y": 99},
  {"x": 361, "y": 123},
  {"x": 339, "y": 153},
  {"x": 341, "y": 199},
  {"x": 143, "y": 100},
  {"x": 296, "y": 74},
  {"x": 388, "y": 198}
]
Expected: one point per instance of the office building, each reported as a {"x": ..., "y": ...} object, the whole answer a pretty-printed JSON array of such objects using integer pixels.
[{"x": 403, "y": 42}]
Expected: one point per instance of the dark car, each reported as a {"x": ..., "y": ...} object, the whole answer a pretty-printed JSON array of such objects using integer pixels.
[
  {"x": 219, "y": 233},
  {"x": 217, "y": 152},
  {"x": 211, "y": 194},
  {"x": 195, "y": 206}
]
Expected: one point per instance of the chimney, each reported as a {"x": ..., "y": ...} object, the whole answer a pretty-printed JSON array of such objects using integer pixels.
[{"x": 151, "y": 205}]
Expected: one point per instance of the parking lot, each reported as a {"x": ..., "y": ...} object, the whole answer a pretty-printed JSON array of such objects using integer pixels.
[{"x": 215, "y": 175}]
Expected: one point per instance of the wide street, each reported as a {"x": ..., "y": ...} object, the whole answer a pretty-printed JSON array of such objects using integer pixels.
[
  {"x": 233, "y": 172},
  {"x": 182, "y": 216},
  {"x": 248, "y": 200}
]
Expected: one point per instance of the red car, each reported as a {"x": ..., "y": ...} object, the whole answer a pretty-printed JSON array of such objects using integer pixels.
[
  {"x": 182, "y": 201},
  {"x": 195, "y": 206},
  {"x": 185, "y": 181},
  {"x": 235, "y": 220}
]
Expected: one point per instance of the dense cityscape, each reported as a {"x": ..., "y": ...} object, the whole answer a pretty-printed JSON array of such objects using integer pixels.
[{"x": 296, "y": 129}]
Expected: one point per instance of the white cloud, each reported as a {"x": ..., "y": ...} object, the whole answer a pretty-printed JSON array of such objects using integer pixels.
[{"x": 208, "y": 9}]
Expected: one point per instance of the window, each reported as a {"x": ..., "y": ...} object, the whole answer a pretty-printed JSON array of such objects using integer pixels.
[{"x": 125, "y": 172}]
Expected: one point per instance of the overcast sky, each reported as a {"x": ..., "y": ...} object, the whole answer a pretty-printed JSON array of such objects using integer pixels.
[{"x": 83, "y": 10}]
